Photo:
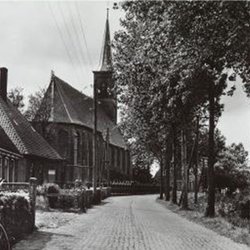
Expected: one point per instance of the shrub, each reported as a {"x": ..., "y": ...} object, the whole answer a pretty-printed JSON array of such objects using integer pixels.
[
  {"x": 16, "y": 215},
  {"x": 72, "y": 198},
  {"x": 47, "y": 188},
  {"x": 66, "y": 201},
  {"x": 231, "y": 180},
  {"x": 52, "y": 188},
  {"x": 235, "y": 205},
  {"x": 244, "y": 208}
]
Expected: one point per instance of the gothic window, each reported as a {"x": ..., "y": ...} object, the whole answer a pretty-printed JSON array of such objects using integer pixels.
[
  {"x": 118, "y": 158},
  {"x": 90, "y": 142},
  {"x": 63, "y": 143},
  {"x": 123, "y": 161},
  {"x": 128, "y": 162},
  {"x": 84, "y": 150},
  {"x": 76, "y": 148},
  {"x": 112, "y": 157}
]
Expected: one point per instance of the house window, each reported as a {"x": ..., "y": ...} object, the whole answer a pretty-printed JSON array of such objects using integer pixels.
[
  {"x": 11, "y": 171},
  {"x": 6, "y": 169}
]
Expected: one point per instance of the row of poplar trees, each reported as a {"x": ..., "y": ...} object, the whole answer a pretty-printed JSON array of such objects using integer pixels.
[{"x": 173, "y": 62}]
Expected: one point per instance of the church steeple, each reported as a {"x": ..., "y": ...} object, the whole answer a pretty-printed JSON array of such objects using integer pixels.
[
  {"x": 103, "y": 78},
  {"x": 106, "y": 55}
]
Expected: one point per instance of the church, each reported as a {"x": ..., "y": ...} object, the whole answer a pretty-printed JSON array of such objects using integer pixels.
[{"x": 65, "y": 120}]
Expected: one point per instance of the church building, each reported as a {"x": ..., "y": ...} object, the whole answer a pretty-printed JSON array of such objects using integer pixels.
[{"x": 65, "y": 120}]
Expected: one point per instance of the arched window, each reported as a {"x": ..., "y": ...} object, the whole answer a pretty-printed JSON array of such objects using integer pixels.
[
  {"x": 90, "y": 145},
  {"x": 63, "y": 144},
  {"x": 77, "y": 148},
  {"x": 118, "y": 159},
  {"x": 84, "y": 149},
  {"x": 112, "y": 157},
  {"x": 123, "y": 161}
]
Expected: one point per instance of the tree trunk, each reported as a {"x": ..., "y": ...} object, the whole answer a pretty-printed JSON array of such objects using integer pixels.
[
  {"x": 161, "y": 179},
  {"x": 184, "y": 203},
  {"x": 210, "y": 211},
  {"x": 174, "y": 151},
  {"x": 167, "y": 171},
  {"x": 196, "y": 190}
]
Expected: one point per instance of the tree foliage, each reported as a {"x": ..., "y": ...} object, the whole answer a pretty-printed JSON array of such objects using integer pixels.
[
  {"x": 172, "y": 61},
  {"x": 35, "y": 101},
  {"x": 16, "y": 97},
  {"x": 231, "y": 169}
]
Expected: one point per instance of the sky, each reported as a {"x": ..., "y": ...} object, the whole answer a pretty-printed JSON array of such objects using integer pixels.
[{"x": 37, "y": 37}]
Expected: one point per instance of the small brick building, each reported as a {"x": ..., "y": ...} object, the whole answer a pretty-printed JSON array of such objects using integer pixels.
[{"x": 65, "y": 119}]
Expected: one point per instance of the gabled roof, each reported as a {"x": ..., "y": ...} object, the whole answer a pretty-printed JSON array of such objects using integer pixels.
[
  {"x": 22, "y": 135},
  {"x": 70, "y": 106}
]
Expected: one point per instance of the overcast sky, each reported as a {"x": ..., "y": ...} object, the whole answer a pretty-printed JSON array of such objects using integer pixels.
[{"x": 37, "y": 37}]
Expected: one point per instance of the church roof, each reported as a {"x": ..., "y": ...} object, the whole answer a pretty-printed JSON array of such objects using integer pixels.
[
  {"x": 70, "y": 106},
  {"x": 106, "y": 55},
  {"x": 19, "y": 136}
]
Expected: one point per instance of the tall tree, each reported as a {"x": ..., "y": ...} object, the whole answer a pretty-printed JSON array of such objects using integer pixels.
[{"x": 185, "y": 48}]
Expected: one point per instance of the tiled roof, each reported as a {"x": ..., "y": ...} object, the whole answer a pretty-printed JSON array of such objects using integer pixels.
[
  {"x": 69, "y": 105},
  {"x": 6, "y": 143},
  {"x": 24, "y": 137}
]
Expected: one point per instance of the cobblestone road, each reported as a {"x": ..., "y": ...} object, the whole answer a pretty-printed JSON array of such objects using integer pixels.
[{"x": 132, "y": 222}]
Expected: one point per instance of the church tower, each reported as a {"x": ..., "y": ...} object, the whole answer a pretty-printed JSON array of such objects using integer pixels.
[{"x": 103, "y": 79}]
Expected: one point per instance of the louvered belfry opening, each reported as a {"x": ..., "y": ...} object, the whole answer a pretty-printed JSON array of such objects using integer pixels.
[{"x": 3, "y": 83}]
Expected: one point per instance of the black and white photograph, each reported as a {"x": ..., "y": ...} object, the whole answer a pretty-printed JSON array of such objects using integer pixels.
[{"x": 124, "y": 125}]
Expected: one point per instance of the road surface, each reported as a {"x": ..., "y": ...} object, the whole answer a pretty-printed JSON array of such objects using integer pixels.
[{"x": 128, "y": 223}]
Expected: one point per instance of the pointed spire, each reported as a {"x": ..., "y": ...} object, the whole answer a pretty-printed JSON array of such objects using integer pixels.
[{"x": 106, "y": 56}]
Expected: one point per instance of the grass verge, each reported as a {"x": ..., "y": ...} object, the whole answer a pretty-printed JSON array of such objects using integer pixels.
[{"x": 217, "y": 224}]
